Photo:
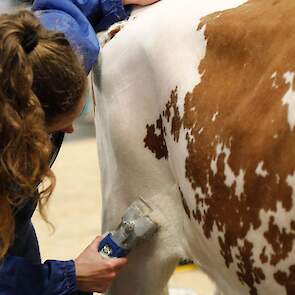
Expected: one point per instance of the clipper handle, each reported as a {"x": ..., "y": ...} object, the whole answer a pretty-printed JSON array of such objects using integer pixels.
[{"x": 110, "y": 249}]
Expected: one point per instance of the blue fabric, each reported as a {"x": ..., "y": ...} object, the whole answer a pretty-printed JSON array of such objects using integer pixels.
[
  {"x": 25, "y": 241},
  {"x": 79, "y": 20},
  {"x": 18, "y": 276},
  {"x": 21, "y": 272}
]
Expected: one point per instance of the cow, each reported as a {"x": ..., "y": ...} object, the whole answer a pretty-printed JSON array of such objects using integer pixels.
[{"x": 195, "y": 112}]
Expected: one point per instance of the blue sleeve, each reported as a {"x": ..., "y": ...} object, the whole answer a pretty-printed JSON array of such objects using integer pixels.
[
  {"x": 79, "y": 20},
  {"x": 20, "y": 277}
]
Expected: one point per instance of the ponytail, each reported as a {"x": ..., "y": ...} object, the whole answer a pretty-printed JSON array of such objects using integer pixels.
[{"x": 30, "y": 59}]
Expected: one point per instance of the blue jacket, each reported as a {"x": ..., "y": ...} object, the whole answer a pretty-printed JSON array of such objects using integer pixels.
[
  {"x": 79, "y": 20},
  {"x": 21, "y": 272}
]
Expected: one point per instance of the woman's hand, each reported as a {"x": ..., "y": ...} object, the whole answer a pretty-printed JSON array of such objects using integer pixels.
[
  {"x": 139, "y": 2},
  {"x": 95, "y": 273}
]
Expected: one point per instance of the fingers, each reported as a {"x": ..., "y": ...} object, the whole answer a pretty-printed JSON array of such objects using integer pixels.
[
  {"x": 113, "y": 265},
  {"x": 93, "y": 272},
  {"x": 115, "y": 262},
  {"x": 118, "y": 263}
]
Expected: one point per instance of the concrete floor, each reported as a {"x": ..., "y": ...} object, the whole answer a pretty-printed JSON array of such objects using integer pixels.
[{"x": 74, "y": 210}]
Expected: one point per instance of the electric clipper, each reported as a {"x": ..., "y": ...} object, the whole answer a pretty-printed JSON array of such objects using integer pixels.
[{"x": 135, "y": 225}]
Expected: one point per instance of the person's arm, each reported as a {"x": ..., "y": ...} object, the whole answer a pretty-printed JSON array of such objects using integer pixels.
[
  {"x": 100, "y": 13},
  {"x": 80, "y": 19},
  {"x": 90, "y": 272},
  {"x": 51, "y": 278}
]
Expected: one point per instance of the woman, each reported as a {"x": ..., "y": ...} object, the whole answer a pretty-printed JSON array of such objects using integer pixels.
[{"x": 44, "y": 60}]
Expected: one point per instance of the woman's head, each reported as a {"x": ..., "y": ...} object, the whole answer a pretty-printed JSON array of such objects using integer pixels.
[{"x": 42, "y": 81}]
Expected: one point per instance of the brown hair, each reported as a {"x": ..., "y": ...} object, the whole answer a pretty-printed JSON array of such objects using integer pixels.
[{"x": 36, "y": 87}]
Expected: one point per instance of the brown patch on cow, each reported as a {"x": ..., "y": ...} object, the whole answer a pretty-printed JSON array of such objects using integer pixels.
[
  {"x": 241, "y": 58},
  {"x": 156, "y": 142},
  {"x": 281, "y": 242},
  {"x": 248, "y": 274},
  {"x": 288, "y": 281},
  {"x": 249, "y": 49},
  {"x": 172, "y": 112},
  {"x": 239, "y": 71},
  {"x": 263, "y": 257},
  {"x": 185, "y": 205},
  {"x": 114, "y": 31}
]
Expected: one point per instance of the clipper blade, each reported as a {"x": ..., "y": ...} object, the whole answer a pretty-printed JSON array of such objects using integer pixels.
[{"x": 136, "y": 224}]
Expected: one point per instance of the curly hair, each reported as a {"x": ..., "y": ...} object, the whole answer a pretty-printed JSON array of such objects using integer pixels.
[{"x": 36, "y": 88}]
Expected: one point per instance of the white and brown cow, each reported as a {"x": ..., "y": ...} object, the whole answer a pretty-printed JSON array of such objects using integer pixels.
[{"x": 195, "y": 112}]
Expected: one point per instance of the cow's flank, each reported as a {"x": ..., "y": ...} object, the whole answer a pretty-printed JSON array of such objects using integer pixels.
[{"x": 239, "y": 125}]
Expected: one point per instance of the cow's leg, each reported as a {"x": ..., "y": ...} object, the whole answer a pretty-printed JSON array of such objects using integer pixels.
[
  {"x": 127, "y": 99},
  {"x": 152, "y": 263}
]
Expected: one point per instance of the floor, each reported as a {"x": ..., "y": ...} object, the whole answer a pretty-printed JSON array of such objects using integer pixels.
[{"x": 74, "y": 210}]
